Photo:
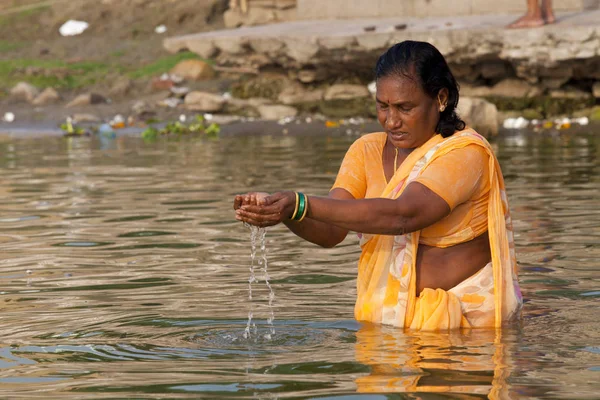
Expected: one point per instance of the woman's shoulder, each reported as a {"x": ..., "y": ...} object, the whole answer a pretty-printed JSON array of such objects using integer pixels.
[
  {"x": 468, "y": 134},
  {"x": 377, "y": 138}
]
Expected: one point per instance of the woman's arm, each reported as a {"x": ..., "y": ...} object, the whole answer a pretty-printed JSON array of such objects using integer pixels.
[
  {"x": 320, "y": 232},
  {"x": 417, "y": 208}
]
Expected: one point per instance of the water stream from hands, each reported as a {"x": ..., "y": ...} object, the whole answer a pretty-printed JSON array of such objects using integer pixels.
[{"x": 258, "y": 235}]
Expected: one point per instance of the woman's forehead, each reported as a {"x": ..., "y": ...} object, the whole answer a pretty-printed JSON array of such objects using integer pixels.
[{"x": 398, "y": 85}]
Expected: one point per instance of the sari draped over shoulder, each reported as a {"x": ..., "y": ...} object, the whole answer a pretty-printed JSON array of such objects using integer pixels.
[{"x": 386, "y": 282}]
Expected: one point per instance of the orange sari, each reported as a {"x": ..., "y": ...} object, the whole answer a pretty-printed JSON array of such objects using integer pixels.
[{"x": 387, "y": 268}]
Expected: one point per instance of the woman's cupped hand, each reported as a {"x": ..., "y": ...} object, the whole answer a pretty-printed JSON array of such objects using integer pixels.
[{"x": 264, "y": 209}]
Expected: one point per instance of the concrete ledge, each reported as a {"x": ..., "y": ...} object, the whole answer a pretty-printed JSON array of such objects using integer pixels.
[{"x": 575, "y": 38}]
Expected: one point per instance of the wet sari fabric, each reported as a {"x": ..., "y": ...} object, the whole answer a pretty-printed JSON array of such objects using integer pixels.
[{"x": 463, "y": 170}]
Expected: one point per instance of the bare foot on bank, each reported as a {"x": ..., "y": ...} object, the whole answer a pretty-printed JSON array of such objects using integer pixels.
[
  {"x": 549, "y": 17},
  {"x": 528, "y": 21}
]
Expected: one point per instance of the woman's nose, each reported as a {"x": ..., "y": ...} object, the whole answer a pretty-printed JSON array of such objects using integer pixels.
[{"x": 393, "y": 120}]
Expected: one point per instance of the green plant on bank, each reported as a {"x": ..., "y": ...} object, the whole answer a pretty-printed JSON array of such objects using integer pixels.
[
  {"x": 52, "y": 73},
  {"x": 21, "y": 13},
  {"x": 8, "y": 46},
  {"x": 163, "y": 64},
  {"x": 197, "y": 126},
  {"x": 64, "y": 75}
]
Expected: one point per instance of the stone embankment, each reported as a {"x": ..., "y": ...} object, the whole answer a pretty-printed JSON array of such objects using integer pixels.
[{"x": 542, "y": 72}]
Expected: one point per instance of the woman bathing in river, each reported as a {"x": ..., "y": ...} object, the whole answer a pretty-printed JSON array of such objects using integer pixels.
[{"x": 427, "y": 196}]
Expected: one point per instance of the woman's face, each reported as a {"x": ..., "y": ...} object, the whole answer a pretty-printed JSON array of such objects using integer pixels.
[{"x": 406, "y": 113}]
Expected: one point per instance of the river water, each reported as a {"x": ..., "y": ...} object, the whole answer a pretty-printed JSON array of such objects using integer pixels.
[{"x": 125, "y": 275}]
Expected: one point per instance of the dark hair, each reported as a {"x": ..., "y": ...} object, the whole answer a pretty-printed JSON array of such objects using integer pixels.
[{"x": 423, "y": 61}]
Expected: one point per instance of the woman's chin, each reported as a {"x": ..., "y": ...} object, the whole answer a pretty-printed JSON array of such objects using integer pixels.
[{"x": 402, "y": 141}]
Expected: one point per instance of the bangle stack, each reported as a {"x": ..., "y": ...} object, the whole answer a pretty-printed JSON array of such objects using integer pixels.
[{"x": 301, "y": 208}]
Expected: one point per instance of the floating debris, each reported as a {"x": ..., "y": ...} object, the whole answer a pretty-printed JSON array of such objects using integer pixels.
[
  {"x": 537, "y": 125},
  {"x": 71, "y": 130},
  {"x": 515, "y": 123},
  {"x": 118, "y": 122},
  {"x": 160, "y": 29},
  {"x": 107, "y": 131},
  {"x": 9, "y": 117},
  {"x": 562, "y": 123},
  {"x": 171, "y": 102},
  {"x": 285, "y": 120}
]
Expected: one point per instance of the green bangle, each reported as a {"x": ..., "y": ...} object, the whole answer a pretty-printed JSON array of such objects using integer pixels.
[{"x": 301, "y": 206}]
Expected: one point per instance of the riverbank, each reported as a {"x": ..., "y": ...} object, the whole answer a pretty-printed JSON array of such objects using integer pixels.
[{"x": 118, "y": 70}]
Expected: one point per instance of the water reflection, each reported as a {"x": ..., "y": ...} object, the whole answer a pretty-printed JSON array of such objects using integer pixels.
[{"x": 476, "y": 362}]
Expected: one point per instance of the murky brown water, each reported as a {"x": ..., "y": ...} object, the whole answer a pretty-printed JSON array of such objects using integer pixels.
[{"x": 124, "y": 275}]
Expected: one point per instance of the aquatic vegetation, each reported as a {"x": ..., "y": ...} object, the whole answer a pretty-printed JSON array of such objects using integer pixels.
[
  {"x": 72, "y": 130},
  {"x": 179, "y": 128}
]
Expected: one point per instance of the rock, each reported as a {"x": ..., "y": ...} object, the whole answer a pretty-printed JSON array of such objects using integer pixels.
[
  {"x": 531, "y": 114},
  {"x": 180, "y": 91},
  {"x": 121, "y": 87},
  {"x": 86, "y": 99},
  {"x": 475, "y": 91},
  {"x": 378, "y": 41},
  {"x": 311, "y": 75},
  {"x": 194, "y": 70},
  {"x": 231, "y": 45},
  {"x": 266, "y": 45},
  {"x": 24, "y": 91},
  {"x": 464, "y": 71},
  {"x": 346, "y": 92},
  {"x": 512, "y": 87},
  {"x": 302, "y": 50},
  {"x": 78, "y": 118},
  {"x": 175, "y": 44},
  {"x": 162, "y": 83},
  {"x": 141, "y": 107},
  {"x": 203, "y": 101},
  {"x": 553, "y": 83},
  {"x": 297, "y": 95},
  {"x": 491, "y": 69},
  {"x": 337, "y": 42},
  {"x": 596, "y": 90},
  {"x": 48, "y": 96},
  {"x": 570, "y": 93},
  {"x": 204, "y": 48},
  {"x": 479, "y": 114},
  {"x": 276, "y": 112},
  {"x": 234, "y": 18},
  {"x": 258, "y": 101},
  {"x": 246, "y": 107},
  {"x": 170, "y": 102}
]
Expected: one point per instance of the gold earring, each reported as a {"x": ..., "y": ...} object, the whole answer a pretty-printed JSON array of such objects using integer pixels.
[{"x": 442, "y": 108}]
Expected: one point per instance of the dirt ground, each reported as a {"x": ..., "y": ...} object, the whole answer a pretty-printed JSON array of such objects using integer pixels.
[
  {"x": 122, "y": 28},
  {"x": 120, "y": 42}
]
